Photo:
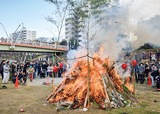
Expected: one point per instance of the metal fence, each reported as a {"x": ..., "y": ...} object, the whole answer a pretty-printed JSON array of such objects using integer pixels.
[{"x": 32, "y": 43}]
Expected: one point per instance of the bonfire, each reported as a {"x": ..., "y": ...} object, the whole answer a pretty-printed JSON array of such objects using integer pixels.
[{"x": 106, "y": 88}]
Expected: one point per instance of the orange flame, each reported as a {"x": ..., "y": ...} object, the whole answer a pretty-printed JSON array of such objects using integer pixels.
[
  {"x": 129, "y": 85},
  {"x": 74, "y": 87}
]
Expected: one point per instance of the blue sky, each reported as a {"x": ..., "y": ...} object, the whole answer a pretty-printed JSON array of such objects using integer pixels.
[{"x": 29, "y": 12}]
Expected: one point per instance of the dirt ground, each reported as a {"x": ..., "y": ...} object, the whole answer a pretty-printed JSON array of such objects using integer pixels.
[{"x": 32, "y": 100}]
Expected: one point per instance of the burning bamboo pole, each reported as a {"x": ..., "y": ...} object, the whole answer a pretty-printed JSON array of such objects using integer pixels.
[
  {"x": 88, "y": 89},
  {"x": 111, "y": 83},
  {"x": 115, "y": 92},
  {"x": 133, "y": 81},
  {"x": 129, "y": 94},
  {"x": 85, "y": 102},
  {"x": 88, "y": 80},
  {"x": 56, "y": 90},
  {"x": 106, "y": 93}
]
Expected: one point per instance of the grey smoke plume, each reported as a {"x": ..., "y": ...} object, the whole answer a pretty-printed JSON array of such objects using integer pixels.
[
  {"x": 127, "y": 24},
  {"x": 141, "y": 10},
  {"x": 149, "y": 31}
]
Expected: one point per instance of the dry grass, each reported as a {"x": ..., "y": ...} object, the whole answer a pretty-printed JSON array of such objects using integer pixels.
[{"x": 32, "y": 99}]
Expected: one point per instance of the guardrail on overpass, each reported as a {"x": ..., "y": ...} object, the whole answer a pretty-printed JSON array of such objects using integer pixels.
[{"x": 32, "y": 44}]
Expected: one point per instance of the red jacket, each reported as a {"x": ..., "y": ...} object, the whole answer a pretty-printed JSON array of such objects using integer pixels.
[
  {"x": 55, "y": 69},
  {"x": 60, "y": 65}
]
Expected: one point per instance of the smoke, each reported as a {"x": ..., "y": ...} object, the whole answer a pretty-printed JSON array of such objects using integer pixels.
[
  {"x": 127, "y": 25},
  {"x": 74, "y": 55},
  {"x": 143, "y": 19},
  {"x": 141, "y": 10},
  {"x": 111, "y": 32},
  {"x": 148, "y": 32}
]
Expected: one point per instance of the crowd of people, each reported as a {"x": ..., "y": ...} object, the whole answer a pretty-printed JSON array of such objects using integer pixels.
[
  {"x": 149, "y": 68},
  {"x": 9, "y": 70}
]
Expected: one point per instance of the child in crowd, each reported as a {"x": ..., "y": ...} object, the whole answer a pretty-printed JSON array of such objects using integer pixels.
[{"x": 30, "y": 73}]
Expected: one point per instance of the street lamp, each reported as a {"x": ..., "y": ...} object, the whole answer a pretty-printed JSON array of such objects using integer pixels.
[{"x": 4, "y": 30}]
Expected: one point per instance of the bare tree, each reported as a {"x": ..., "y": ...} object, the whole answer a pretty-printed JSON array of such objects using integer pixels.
[{"x": 58, "y": 19}]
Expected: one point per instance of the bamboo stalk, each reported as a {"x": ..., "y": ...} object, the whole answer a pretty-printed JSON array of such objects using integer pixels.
[
  {"x": 85, "y": 102},
  {"x": 88, "y": 81},
  {"x": 106, "y": 93},
  {"x": 129, "y": 94},
  {"x": 111, "y": 83},
  {"x": 58, "y": 89},
  {"x": 133, "y": 81}
]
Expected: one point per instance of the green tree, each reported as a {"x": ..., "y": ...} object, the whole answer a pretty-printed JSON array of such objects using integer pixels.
[{"x": 86, "y": 11}]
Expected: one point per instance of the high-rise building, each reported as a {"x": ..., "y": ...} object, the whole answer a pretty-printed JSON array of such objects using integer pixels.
[
  {"x": 74, "y": 27},
  {"x": 24, "y": 34}
]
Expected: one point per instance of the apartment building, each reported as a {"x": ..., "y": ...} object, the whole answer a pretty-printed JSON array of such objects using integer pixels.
[
  {"x": 24, "y": 34},
  {"x": 74, "y": 27}
]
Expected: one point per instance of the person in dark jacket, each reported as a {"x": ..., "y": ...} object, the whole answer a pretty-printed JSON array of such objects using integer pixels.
[
  {"x": 147, "y": 70},
  {"x": 154, "y": 74},
  {"x": 60, "y": 70},
  {"x": 1, "y": 68},
  {"x": 44, "y": 68},
  {"x": 136, "y": 74},
  {"x": 141, "y": 70},
  {"x": 158, "y": 83},
  {"x": 14, "y": 72}
]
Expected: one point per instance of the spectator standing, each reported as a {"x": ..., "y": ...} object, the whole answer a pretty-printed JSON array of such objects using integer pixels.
[
  {"x": 136, "y": 73},
  {"x": 60, "y": 71},
  {"x": 153, "y": 57},
  {"x": 158, "y": 83},
  {"x": 154, "y": 73},
  {"x": 39, "y": 69},
  {"x": 14, "y": 72},
  {"x": 25, "y": 68},
  {"x": 144, "y": 55},
  {"x": 1, "y": 68},
  {"x": 6, "y": 73},
  {"x": 35, "y": 66},
  {"x": 49, "y": 70},
  {"x": 55, "y": 70},
  {"x": 150, "y": 55},
  {"x": 30, "y": 73},
  {"x": 44, "y": 68},
  {"x": 141, "y": 70},
  {"x": 147, "y": 70}
]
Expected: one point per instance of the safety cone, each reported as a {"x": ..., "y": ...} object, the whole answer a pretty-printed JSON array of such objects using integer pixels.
[
  {"x": 16, "y": 83},
  {"x": 149, "y": 81},
  {"x": 47, "y": 81}
]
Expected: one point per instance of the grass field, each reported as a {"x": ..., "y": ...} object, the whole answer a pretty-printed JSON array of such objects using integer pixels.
[{"x": 32, "y": 99}]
